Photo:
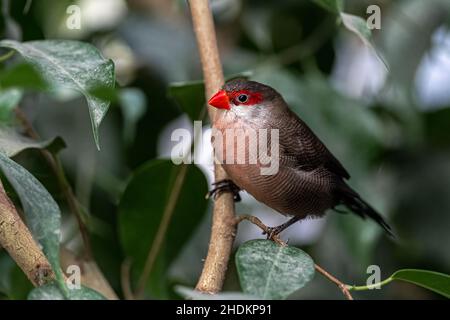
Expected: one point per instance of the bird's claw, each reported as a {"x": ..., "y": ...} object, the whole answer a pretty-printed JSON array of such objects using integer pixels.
[
  {"x": 226, "y": 185},
  {"x": 272, "y": 232}
]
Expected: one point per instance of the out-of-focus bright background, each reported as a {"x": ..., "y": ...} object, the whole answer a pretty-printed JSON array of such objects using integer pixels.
[{"x": 390, "y": 127}]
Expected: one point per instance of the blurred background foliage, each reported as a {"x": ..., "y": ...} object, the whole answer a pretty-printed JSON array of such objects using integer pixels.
[{"x": 389, "y": 126}]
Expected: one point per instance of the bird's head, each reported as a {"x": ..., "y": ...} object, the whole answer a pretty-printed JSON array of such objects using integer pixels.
[{"x": 243, "y": 97}]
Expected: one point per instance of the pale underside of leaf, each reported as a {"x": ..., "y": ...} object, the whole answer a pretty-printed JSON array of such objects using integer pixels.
[{"x": 12, "y": 143}]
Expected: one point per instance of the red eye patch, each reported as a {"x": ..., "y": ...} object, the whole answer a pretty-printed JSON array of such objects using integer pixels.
[{"x": 252, "y": 97}]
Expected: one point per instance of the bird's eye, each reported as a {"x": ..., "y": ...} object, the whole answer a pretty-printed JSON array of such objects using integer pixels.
[{"x": 242, "y": 98}]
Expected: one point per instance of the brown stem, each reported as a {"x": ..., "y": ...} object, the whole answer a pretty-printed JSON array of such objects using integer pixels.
[
  {"x": 19, "y": 243},
  {"x": 125, "y": 280},
  {"x": 276, "y": 239},
  {"x": 340, "y": 285},
  {"x": 223, "y": 225},
  {"x": 55, "y": 164}
]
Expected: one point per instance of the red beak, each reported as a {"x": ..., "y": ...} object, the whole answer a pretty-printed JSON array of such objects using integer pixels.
[{"x": 220, "y": 100}]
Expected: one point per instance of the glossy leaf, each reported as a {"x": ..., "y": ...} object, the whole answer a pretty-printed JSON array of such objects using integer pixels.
[
  {"x": 150, "y": 201},
  {"x": 270, "y": 271},
  {"x": 23, "y": 75},
  {"x": 431, "y": 280},
  {"x": 41, "y": 211},
  {"x": 71, "y": 65},
  {"x": 52, "y": 291}
]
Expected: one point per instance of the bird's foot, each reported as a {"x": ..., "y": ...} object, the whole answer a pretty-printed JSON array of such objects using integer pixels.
[
  {"x": 225, "y": 185},
  {"x": 275, "y": 231}
]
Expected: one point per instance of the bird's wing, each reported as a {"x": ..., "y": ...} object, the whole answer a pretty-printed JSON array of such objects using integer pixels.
[{"x": 297, "y": 141}]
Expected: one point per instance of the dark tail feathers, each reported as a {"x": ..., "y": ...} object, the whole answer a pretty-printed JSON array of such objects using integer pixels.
[{"x": 357, "y": 205}]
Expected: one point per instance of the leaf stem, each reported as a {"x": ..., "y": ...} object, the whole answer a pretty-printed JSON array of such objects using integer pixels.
[
  {"x": 7, "y": 55},
  {"x": 370, "y": 286}
]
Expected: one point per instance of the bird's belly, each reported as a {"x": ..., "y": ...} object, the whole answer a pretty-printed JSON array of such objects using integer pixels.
[{"x": 289, "y": 192}]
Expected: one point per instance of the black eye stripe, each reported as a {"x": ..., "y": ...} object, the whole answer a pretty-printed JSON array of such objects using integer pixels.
[{"x": 242, "y": 98}]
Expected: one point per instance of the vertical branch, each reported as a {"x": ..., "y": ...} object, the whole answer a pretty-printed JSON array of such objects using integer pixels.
[
  {"x": 223, "y": 225},
  {"x": 19, "y": 243}
]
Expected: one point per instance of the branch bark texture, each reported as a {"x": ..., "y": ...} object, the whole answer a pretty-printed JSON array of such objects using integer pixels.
[{"x": 17, "y": 240}]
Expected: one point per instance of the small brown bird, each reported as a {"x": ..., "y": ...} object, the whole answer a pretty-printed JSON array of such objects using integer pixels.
[{"x": 309, "y": 179}]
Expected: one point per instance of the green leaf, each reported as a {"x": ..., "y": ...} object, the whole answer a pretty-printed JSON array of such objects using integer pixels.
[
  {"x": 72, "y": 65},
  {"x": 22, "y": 75},
  {"x": 9, "y": 100},
  {"x": 41, "y": 211},
  {"x": 431, "y": 280},
  {"x": 192, "y": 294},
  {"x": 190, "y": 96},
  {"x": 334, "y": 6},
  {"x": 133, "y": 104},
  {"x": 11, "y": 143},
  {"x": 150, "y": 202},
  {"x": 52, "y": 291},
  {"x": 270, "y": 271}
]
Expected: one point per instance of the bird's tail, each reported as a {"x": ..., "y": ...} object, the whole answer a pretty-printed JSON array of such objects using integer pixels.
[{"x": 357, "y": 205}]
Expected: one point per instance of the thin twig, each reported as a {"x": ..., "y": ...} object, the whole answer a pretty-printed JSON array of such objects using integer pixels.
[
  {"x": 7, "y": 55},
  {"x": 125, "y": 281},
  {"x": 162, "y": 230},
  {"x": 344, "y": 288},
  {"x": 55, "y": 164},
  {"x": 262, "y": 226},
  {"x": 223, "y": 225},
  {"x": 333, "y": 279}
]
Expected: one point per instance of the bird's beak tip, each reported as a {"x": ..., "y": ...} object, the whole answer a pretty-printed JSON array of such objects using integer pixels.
[{"x": 220, "y": 100}]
